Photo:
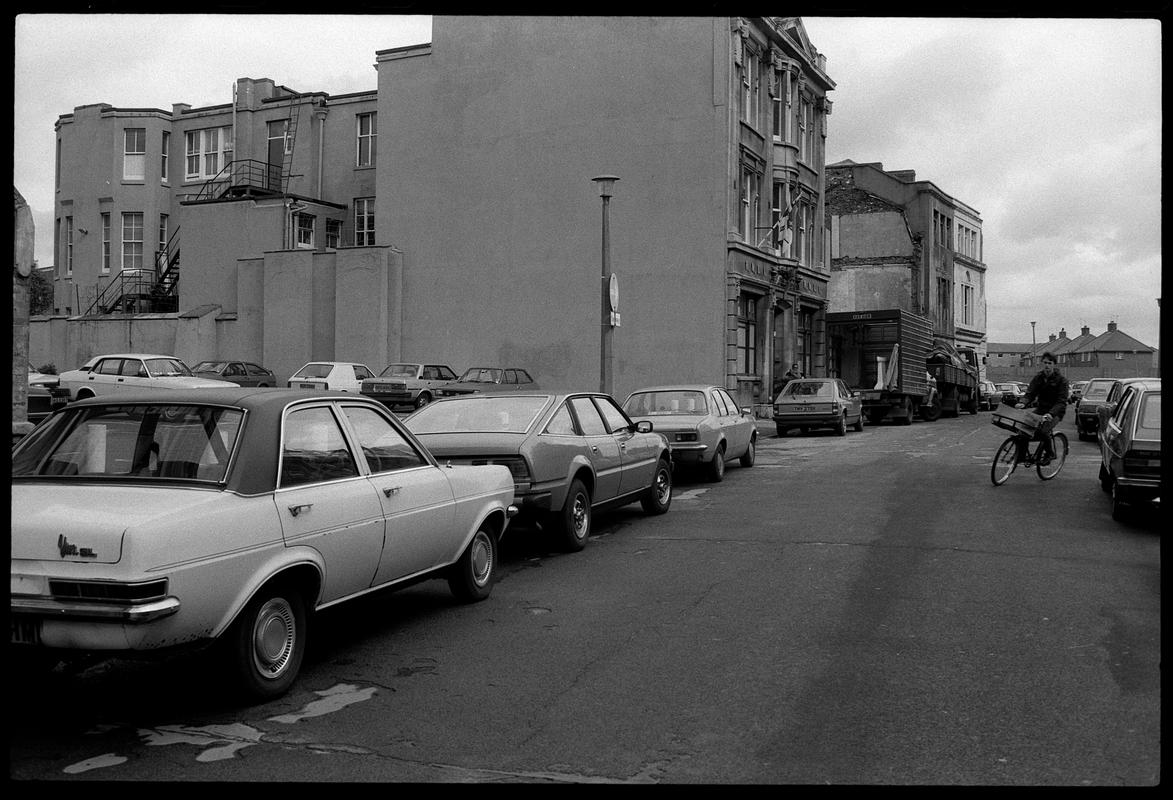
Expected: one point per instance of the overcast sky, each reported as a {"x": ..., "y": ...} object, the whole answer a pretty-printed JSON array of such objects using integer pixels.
[{"x": 1050, "y": 129}]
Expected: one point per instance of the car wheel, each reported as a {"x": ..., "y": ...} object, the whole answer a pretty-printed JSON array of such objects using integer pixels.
[
  {"x": 658, "y": 497},
  {"x": 262, "y": 386},
  {"x": 751, "y": 453},
  {"x": 716, "y": 470},
  {"x": 1105, "y": 478},
  {"x": 858, "y": 422},
  {"x": 266, "y": 643},
  {"x": 1119, "y": 507},
  {"x": 471, "y": 577},
  {"x": 782, "y": 429},
  {"x": 423, "y": 400},
  {"x": 573, "y": 522},
  {"x": 82, "y": 394},
  {"x": 876, "y": 417},
  {"x": 841, "y": 425}
]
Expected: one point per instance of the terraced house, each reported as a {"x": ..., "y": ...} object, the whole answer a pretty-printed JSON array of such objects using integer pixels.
[{"x": 451, "y": 212}]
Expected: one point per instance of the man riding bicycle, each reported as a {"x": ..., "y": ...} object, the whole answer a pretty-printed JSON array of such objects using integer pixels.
[{"x": 1048, "y": 393}]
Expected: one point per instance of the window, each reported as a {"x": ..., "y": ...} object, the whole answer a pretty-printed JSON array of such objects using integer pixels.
[
  {"x": 753, "y": 102},
  {"x": 588, "y": 416},
  {"x": 333, "y": 232},
  {"x": 208, "y": 151},
  {"x": 614, "y": 418},
  {"x": 751, "y": 201},
  {"x": 364, "y": 221},
  {"x": 747, "y": 334},
  {"x": 106, "y": 243},
  {"x": 162, "y": 251},
  {"x": 69, "y": 245},
  {"x": 367, "y": 131},
  {"x": 314, "y": 449},
  {"x": 132, "y": 240},
  {"x": 778, "y": 86},
  {"x": 805, "y": 129},
  {"x": 134, "y": 154},
  {"x": 165, "y": 152},
  {"x": 382, "y": 445},
  {"x": 967, "y": 305},
  {"x": 305, "y": 229},
  {"x": 561, "y": 423}
]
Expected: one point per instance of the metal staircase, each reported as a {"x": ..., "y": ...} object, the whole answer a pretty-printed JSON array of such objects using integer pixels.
[{"x": 144, "y": 291}]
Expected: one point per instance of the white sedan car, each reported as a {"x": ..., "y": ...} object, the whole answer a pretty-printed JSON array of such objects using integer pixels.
[
  {"x": 131, "y": 372},
  {"x": 338, "y": 376},
  {"x": 226, "y": 517}
]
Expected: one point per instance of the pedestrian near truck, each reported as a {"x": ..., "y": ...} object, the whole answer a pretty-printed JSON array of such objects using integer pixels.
[{"x": 1047, "y": 392}]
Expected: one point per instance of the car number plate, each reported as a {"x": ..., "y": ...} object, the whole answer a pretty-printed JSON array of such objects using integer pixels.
[
  {"x": 26, "y": 631},
  {"x": 800, "y": 408},
  {"x": 307, "y": 385}
]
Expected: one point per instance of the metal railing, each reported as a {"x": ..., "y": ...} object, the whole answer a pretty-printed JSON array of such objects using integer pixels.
[{"x": 241, "y": 178}]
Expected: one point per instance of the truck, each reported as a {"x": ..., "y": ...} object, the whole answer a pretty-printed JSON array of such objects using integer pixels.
[{"x": 900, "y": 369}]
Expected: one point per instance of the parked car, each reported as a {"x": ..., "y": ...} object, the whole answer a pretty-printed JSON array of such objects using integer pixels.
[
  {"x": 702, "y": 423},
  {"x": 489, "y": 379},
  {"x": 817, "y": 403},
  {"x": 127, "y": 372},
  {"x": 45, "y": 395},
  {"x": 242, "y": 373},
  {"x": 1130, "y": 449},
  {"x": 408, "y": 384},
  {"x": 338, "y": 376},
  {"x": 1108, "y": 407},
  {"x": 1012, "y": 392},
  {"x": 1075, "y": 391},
  {"x": 1087, "y": 408},
  {"x": 989, "y": 396},
  {"x": 570, "y": 454},
  {"x": 226, "y": 516}
]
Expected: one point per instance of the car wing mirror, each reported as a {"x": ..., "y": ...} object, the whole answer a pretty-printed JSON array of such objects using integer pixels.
[{"x": 643, "y": 426}]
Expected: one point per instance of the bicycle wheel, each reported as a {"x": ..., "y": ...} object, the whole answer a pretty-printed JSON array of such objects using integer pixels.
[
  {"x": 1059, "y": 443},
  {"x": 1005, "y": 460}
]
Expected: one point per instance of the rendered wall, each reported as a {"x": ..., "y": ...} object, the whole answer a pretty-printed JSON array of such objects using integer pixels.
[{"x": 487, "y": 147}]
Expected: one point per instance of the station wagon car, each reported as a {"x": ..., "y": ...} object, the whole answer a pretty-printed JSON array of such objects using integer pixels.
[
  {"x": 1087, "y": 408},
  {"x": 490, "y": 379},
  {"x": 1130, "y": 449},
  {"x": 224, "y": 517},
  {"x": 408, "y": 384},
  {"x": 242, "y": 373},
  {"x": 116, "y": 373},
  {"x": 1107, "y": 408},
  {"x": 817, "y": 403},
  {"x": 570, "y": 454},
  {"x": 703, "y": 425},
  {"x": 338, "y": 376}
]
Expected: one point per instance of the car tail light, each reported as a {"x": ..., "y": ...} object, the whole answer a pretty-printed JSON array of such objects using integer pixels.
[
  {"x": 835, "y": 406},
  {"x": 109, "y": 591},
  {"x": 516, "y": 464},
  {"x": 1142, "y": 461}
]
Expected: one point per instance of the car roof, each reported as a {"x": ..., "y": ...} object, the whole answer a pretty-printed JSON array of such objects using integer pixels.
[
  {"x": 678, "y": 387},
  {"x": 132, "y": 355}
]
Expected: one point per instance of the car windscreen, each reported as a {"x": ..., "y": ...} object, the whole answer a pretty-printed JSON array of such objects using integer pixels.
[
  {"x": 133, "y": 442},
  {"x": 678, "y": 401},
  {"x": 398, "y": 371},
  {"x": 209, "y": 366},
  {"x": 166, "y": 367},
  {"x": 314, "y": 371},
  {"x": 1096, "y": 390},
  {"x": 481, "y": 375},
  {"x": 493, "y": 414},
  {"x": 808, "y": 389}
]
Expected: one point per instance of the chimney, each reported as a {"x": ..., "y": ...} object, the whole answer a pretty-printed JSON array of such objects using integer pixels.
[
  {"x": 1111, "y": 327},
  {"x": 1085, "y": 331},
  {"x": 1062, "y": 333},
  {"x": 1050, "y": 337}
]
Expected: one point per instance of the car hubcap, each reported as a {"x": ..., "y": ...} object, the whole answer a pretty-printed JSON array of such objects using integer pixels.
[
  {"x": 663, "y": 486},
  {"x": 274, "y": 635},
  {"x": 482, "y": 558},
  {"x": 580, "y": 516}
]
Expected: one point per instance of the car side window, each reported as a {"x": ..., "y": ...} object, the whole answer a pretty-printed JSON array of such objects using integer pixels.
[
  {"x": 729, "y": 401},
  {"x": 615, "y": 418},
  {"x": 384, "y": 448},
  {"x": 1122, "y": 409},
  {"x": 361, "y": 373},
  {"x": 133, "y": 368},
  {"x": 429, "y": 374},
  {"x": 588, "y": 416},
  {"x": 234, "y": 370},
  {"x": 523, "y": 377},
  {"x": 561, "y": 424},
  {"x": 510, "y": 376},
  {"x": 446, "y": 374},
  {"x": 109, "y": 366},
  {"x": 718, "y": 404},
  {"x": 313, "y": 448}
]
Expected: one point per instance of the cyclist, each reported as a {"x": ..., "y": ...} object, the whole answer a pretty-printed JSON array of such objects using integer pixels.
[{"x": 1048, "y": 393}]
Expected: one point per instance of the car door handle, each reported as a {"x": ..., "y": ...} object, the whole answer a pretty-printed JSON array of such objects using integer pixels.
[
  {"x": 295, "y": 510},
  {"x": 120, "y": 380},
  {"x": 390, "y": 490},
  {"x": 594, "y": 448}
]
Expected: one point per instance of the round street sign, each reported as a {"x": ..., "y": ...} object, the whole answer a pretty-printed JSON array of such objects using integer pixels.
[{"x": 614, "y": 289}]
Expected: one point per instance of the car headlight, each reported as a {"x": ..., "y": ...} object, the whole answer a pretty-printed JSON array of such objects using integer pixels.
[{"x": 684, "y": 436}]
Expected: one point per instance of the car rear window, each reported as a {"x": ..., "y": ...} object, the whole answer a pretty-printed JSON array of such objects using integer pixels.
[
  {"x": 650, "y": 404},
  {"x": 398, "y": 371},
  {"x": 137, "y": 442},
  {"x": 1096, "y": 390},
  {"x": 493, "y": 414},
  {"x": 1149, "y": 418},
  {"x": 808, "y": 389},
  {"x": 314, "y": 371}
]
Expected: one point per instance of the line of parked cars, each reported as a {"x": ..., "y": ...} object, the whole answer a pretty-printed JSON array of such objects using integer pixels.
[{"x": 309, "y": 498}]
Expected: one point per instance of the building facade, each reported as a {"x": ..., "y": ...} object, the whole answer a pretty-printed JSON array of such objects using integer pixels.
[
  {"x": 488, "y": 246},
  {"x": 1111, "y": 354},
  {"x": 897, "y": 242}
]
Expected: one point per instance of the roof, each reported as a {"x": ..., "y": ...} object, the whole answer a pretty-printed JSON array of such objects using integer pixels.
[
  {"x": 1116, "y": 341},
  {"x": 1003, "y": 347}
]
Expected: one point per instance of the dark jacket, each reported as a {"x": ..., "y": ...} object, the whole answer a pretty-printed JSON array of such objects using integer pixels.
[{"x": 1048, "y": 395}]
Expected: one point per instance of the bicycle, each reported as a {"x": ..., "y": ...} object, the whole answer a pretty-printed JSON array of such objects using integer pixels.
[{"x": 1016, "y": 450}]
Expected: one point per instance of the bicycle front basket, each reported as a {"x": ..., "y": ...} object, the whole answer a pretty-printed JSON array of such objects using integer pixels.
[{"x": 1018, "y": 420}]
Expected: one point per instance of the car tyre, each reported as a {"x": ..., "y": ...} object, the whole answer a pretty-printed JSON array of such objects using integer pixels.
[
  {"x": 573, "y": 522},
  {"x": 471, "y": 578},
  {"x": 1105, "y": 479},
  {"x": 658, "y": 497},
  {"x": 751, "y": 453},
  {"x": 1120, "y": 509},
  {"x": 266, "y": 643},
  {"x": 716, "y": 469},
  {"x": 82, "y": 394},
  {"x": 782, "y": 429},
  {"x": 423, "y": 399},
  {"x": 841, "y": 426},
  {"x": 858, "y": 426}
]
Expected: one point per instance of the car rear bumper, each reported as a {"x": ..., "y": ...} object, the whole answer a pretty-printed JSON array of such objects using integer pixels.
[{"x": 813, "y": 418}]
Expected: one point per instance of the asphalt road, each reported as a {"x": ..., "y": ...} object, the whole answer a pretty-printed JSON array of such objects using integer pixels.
[{"x": 859, "y": 610}]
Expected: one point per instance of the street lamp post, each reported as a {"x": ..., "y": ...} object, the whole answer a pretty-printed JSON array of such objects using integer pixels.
[{"x": 606, "y": 185}]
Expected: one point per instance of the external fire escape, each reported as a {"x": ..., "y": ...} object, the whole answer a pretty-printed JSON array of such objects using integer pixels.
[{"x": 156, "y": 289}]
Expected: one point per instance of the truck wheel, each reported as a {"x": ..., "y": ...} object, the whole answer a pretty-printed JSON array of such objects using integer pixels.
[
  {"x": 858, "y": 426},
  {"x": 930, "y": 412}
]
